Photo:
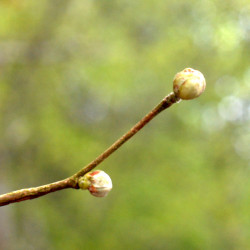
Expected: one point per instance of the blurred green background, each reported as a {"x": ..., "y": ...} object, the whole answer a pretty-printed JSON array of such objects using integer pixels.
[{"x": 75, "y": 75}]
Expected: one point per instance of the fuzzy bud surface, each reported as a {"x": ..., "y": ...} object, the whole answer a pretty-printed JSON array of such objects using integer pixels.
[
  {"x": 97, "y": 182},
  {"x": 189, "y": 84}
]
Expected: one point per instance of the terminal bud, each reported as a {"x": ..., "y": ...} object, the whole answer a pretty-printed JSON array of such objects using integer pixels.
[{"x": 189, "y": 84}]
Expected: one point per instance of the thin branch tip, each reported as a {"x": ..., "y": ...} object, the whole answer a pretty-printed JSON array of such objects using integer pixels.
[{"x": 72, "y": 182}]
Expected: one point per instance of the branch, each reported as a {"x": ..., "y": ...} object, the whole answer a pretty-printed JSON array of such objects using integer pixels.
[
  {"x": 165, "y": 103},
  {"x": 184, "y": 83},
  {"x": 72, "y": 182},
  {"x": 32, "y": 193}
]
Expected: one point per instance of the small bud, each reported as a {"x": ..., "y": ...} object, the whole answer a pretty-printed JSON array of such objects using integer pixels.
[
  {"x": 189, "y": 84},
  {"x": 97, "y": 182}
]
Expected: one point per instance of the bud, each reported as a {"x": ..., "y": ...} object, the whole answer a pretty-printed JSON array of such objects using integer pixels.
[
  {"x": 189, "y": 84},
  {"x": 97, "y": 182}
]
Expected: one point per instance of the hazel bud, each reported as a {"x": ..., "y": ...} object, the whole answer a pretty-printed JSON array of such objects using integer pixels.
[
  {"x": 97, "y": 182},
  {"x": 189, "y": 84}
]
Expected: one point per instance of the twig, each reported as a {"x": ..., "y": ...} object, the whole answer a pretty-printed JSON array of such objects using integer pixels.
[
  {"x": 32, "y": 193},
  {"x": 188, "y": 84},
  {"x": 72, "y": 182},
  {"x": 165, "y": 103}
]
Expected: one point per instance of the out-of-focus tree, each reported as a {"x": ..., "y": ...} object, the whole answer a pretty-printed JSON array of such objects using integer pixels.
[{"x": 71, "y": 75}]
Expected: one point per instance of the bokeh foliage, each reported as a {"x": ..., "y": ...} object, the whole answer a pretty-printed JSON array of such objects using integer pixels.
[{"x": 75, "y": 75}]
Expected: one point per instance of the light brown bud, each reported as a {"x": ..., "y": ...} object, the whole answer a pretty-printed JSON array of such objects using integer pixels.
[
  {"x": 189, "y": 84},
  {"x": 97, "y": 182}
]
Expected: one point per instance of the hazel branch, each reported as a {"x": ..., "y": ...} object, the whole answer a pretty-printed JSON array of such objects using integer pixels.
[
  {"x": 72, "y": 182},
  {"x": 165, "y": 103},
  {"x": 35, "y": 192},
  {"x": 188, "y": 84}
]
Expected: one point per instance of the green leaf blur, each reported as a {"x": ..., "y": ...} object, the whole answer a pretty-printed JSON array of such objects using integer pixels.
[{"x": 76, "y": 75}]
